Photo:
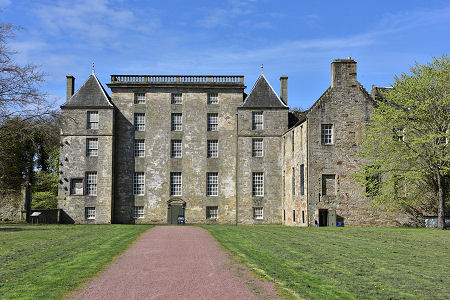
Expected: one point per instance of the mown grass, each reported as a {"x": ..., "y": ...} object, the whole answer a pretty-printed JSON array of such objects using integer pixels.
[
  {"x": 344, "y": 263},
  {"x": 48, "y": 261}
]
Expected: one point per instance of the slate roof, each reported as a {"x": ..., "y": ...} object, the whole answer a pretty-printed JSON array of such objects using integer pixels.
[
  {"x": 91, "y": 93},
  {"x": 263, "y": 95}
]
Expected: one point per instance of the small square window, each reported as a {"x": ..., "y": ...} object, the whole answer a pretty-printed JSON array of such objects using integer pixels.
[
  {"x": 176, "y": 149},
  {"x": 257, "y": 213},
  {"x": 76, "y": 186},
  {"x": 139, "y": 148},
  {"x": 212, "y": 184},
  {"x": 138, "y": 183},
  {"x": 177, "y": 99},
  {"x": 90, "y": 213},
  {"x": 91, "y": 183},
  {"x": 92, "y": 120},
  {"x": 213, "y": 122},
  {"x": 212, "y": 212},
  {"x": 138, "y": 212},
  {"x": 327, "y": 134},
  {"x": 92, "y": 147},
  {"x": 213, "y": 148},
  {"x": 257, "y": 120},
  {"x": 177, "y": 122},
  {"x": 213, "y": 98},
  {"x": 139, "y": 121},
  {"x": 257, "y": 147},
  {"x": 139, "y": 98}
]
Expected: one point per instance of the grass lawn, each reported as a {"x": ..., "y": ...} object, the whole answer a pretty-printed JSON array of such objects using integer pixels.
[
  {"x": 47, "y": 261},
  {"x": 344, "y": 263}
]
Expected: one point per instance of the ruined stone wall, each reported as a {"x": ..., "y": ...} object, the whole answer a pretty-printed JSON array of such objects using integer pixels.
[
  {"x": 74, "y": 164},
  {"x": 11, "y": 205},
  {"x": 294, "y": 156},
  {"x": 275, "y": 124},
  {"x": 158, "y": 163}
]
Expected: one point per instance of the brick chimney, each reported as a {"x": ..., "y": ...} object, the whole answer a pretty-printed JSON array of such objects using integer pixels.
[
  {"x": 343, "y": 73},
  {"x": 70, "y": 86},
  {"x": 283, "y": 89}
]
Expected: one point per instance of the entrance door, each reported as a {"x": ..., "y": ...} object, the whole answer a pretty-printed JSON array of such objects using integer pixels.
[
  {"x": 173, "y": 212},
  {"x": 331, "y": 217},
  {"x": 323, "y": 217}
]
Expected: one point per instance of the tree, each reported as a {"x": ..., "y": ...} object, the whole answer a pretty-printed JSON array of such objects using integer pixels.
[
  {"x": 407, "y": 140},
  {"x": 20, "y": 94}
]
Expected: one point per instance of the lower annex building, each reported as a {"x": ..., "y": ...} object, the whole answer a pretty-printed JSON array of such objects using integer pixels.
[{"x": 165, "y": 146}]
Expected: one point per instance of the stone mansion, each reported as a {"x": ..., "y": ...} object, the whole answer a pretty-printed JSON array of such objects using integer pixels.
[{"x": 164, "y": 146}]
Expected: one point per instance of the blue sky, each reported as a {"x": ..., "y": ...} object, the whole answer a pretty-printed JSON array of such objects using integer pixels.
[{"x": 295, "y": 38}]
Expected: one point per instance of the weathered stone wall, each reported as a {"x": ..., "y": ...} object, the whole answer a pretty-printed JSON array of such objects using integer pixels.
[
  {"x": 158, "y": 164},
  {"x": 347, "y": 106},
  {"x": 74, "y": 164},
  {"x": 275, "y": 124},
  {"x": 294, "y": 155},
  {"x": 11, "y": 205}
]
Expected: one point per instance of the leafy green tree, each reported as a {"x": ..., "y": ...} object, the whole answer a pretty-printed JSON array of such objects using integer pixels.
[{"x": 407, "y": 141}]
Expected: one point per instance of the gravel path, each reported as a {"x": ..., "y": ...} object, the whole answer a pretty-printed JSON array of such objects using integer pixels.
[{"x": 176, "y": 262}]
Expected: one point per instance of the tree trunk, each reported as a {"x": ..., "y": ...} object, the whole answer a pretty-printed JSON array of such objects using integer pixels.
[{"x": 441, "y": 205}]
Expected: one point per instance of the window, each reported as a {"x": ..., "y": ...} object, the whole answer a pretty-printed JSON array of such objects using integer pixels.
[
  {"x": 284, "y": 214},
  {"x": 139, "y": 148},
  {"x": 257, "y": 147},
  {"x": 372, "y": 183},
  {"x": 175, "y": 183},
  {"x": 91, "y": 183},
  {"x": 139, "y": 98},
  {"x": 293, "y": 182},
  {"x": 257, "y": 120},
  {"x": 329, "y": 185},
  {"x": 327, "y": 134},
  {"x": 213, "y": 98},
  {"x": 212, "y": 184},
  {"x": 257, "y": 213},
  {"x": 212, "y": 212},
  {"x": 258, "y": 184},
  {"x": 177, "y": 122},
  {"x": 92, "y": 120},
  {"x": 90, "y": 213},
  {"x": 303, "y": 216},
  {"x": 213, "y": 148},
  {"x": 175, "y": 149},
  {"x": 293, "y": 215},
  {"x": 177, "y": 99},
  {"x": 92, "y": 147},
  {"x": 76, "y": 186},
  {"x": 302, "y": 179},
  {"x": 293, "y": 141},
  {"x": 213, "y": 122},
  {"x": 138, "y": 183},
  {"x": 138, "y": 212},
  {"x": 139, "y": 121}
]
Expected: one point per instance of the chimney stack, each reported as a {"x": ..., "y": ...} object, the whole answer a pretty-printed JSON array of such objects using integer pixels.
[
  {"x": 70, "y": 86},
  {"x": 283, "y": 89},
  {"x": 343, "y": 73}
]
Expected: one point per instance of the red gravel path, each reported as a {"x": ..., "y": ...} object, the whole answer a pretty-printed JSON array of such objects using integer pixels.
[{"x": 176, "y": 262}]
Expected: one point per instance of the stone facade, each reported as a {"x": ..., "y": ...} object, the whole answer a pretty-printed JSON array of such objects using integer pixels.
[
  {"x": 328, "y": 139},
  {"x": 153, "y": 163}
]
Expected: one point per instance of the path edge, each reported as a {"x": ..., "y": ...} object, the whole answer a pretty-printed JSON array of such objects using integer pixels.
[{"x": 103, "y": 268}]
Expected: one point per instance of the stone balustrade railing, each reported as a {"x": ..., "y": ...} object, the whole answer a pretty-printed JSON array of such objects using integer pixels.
[{"x": 177, "y": 79}]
